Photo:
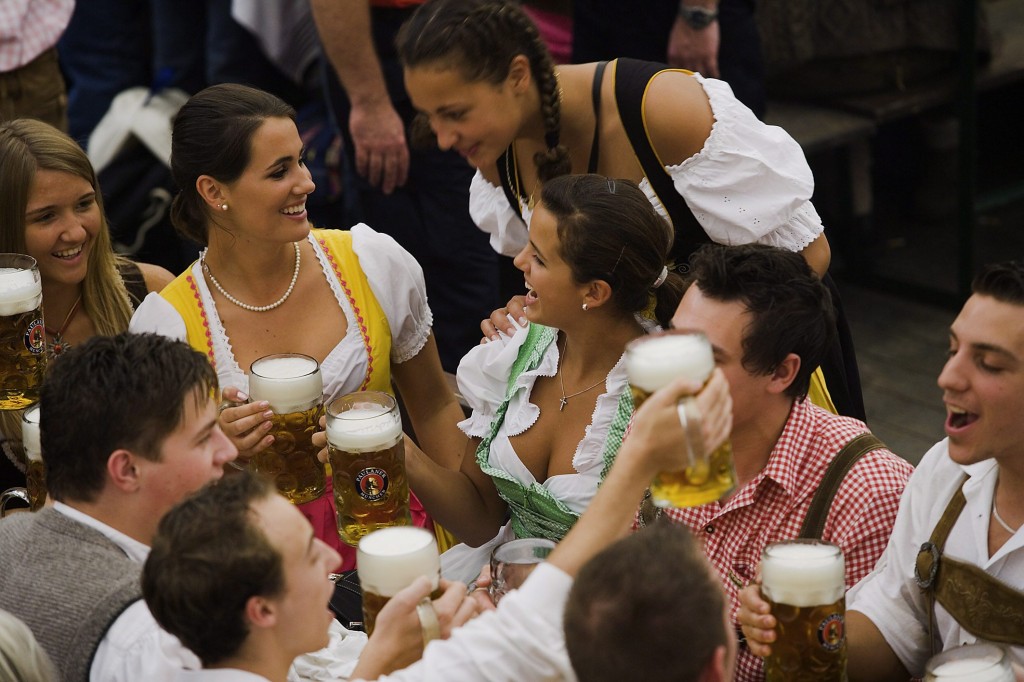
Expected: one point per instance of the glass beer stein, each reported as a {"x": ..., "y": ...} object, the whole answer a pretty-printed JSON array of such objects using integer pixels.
[
  {"x": 367, "y": 455},
  {"x": 389, "y": 560},
  {"x": 805, "y": 582},
  {"x": 22, "y": 335},
  {"x": 653, "y": 362},
  {"x": 293, "y": 386}
]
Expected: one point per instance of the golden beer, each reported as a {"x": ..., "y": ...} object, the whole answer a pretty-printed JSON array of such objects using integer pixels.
[
  {"x": 293, "y": 386},
  {"x": 654, "y": 361},
  {"x": 804, "y": 580},
  {"x": 971, "y": 663},
  {"x": 22, "y": 334},
  {"x": 389, "y": 560},
  {"x": 36, "y": 472},
  {"x": 367, "y": 455}
]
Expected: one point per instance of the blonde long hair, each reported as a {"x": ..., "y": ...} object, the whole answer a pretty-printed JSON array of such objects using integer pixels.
[
  {"x": 22, "y": 659},
  {"x": 27, "y": 146}
]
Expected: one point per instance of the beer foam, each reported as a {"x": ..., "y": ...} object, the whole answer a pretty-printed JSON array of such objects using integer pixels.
[
  {"x": 803, "y": 573},
  {"x": 20, "y": 291},
  {"x": 654, "y": 362},
  {"x": 390, "y": 559},
  {"x": 972, "y": 663},
  {"x": 290, "y": 383},
  {"x": 30, "y": 433},
  {"x": 367, "y": 426}
]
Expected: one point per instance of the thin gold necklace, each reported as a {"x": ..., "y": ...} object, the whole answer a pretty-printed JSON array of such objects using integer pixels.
[
  {"x": 564, "y": 400},
  {"x": 513, "y": 173}
]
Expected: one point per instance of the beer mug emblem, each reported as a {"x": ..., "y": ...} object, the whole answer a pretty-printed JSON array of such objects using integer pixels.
[
  {"x": 831, "y": 632},
  {"x": 35, "y": 340},
  {"x": 372, "y": 484}
]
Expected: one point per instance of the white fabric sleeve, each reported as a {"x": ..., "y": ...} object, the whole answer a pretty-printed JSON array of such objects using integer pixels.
[
  {"x": 136, "y": 648},
  {"x": 158, "y": 316},
  {"x": 889, "y": 595},
  {"x": 397, "y": 281},
  {"x": 483, "y": 380},
  {"x": 521, "y": 640},
  {"x": 332, "y": 663},
  {"x": 490, "y": 210},
  {"x": 751, "y": 181}
]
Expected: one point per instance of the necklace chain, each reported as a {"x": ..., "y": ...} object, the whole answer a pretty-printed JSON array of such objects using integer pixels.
[
  {"x": 999, "y": 519},
  {"x": 256, "y": 308},
  {"x": 59, "y": 345},
  {"x": 510, "y": 153},
  {"x": 564, "y": 400}
]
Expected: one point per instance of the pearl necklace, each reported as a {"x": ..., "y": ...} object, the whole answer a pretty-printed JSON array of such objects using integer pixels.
[
  {"x": 564, "y": 400},
  {"x": 246, "y": 306}
]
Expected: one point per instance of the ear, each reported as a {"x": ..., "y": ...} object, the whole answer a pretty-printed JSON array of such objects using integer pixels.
[
  {"x": 716, "y": 668},
  {"x": 123, "y": 470},
  {"x": 519, "y": 75},
  {"x": 260, "y": 612},
  {"x": 784, "y": 374},
  {"x": 597, "y": 293},
  {"x": 212, "y": 192}
]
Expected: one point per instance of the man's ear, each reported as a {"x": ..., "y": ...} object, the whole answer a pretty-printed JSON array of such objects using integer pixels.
[
  {"x": 717, "y": 667},
  {"x": 260, "y": 612},
  {"x": 123, "y": 470},
  {"x": 784, "y": 374}
]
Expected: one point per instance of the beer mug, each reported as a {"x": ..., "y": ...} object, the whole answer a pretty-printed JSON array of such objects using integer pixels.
[
  {"x": 512, "y": 563},
  {"x": 36, "y": 475},
  {"x": 653, "y": 362},
  {"x": 292, "y": 384},
  {"x": 805, "y": 582},
  {"x": 389, "y": 560},
  {"x": 367, "y": 455},
  {"x": 22, "y": 335},
  {"x": 971, "y": 663}
]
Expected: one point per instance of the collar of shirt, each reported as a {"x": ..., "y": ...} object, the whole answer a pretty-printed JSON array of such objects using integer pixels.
[{"x": 135, "y": 550}]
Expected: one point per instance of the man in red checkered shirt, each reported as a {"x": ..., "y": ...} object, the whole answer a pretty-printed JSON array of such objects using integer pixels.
[{"x": 769, "y": 320}]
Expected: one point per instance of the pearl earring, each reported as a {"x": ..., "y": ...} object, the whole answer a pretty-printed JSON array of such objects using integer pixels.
[
  {"x": 585, "y": 307},
  {"x": 223, "y": 207}
]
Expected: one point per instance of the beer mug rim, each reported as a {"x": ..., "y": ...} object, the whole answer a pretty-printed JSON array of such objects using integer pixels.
[
  {"x": 34, "y": 411},
  {"x": 385, "y": 400},
  {"x": 641, "y": 340},
  {"x": 983, "y": 652},
  {"x": 293, "y": 404},
  {"x": 540, "y": 547},
  {"x": 278, "y": 356},
  {"x": 836, "y": 549},
  {"x": 18, "y": 261}
]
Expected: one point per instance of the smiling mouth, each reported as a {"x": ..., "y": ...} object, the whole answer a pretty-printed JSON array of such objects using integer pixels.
[
  {"x": 68, "y": 254},
  {"x": 294, "y": 210},
  {"x": 958, "y": 418}
]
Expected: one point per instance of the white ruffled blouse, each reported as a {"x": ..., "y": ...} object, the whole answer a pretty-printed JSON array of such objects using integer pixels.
[
  {"x": 395, "y": 278},
  {"x": 483, "y": 380},
  {"x": 749, "y": 184}
]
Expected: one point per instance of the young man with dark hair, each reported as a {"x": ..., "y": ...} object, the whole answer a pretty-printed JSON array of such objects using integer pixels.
[
  {"x": 962, "y": 511},
  {"x": 128, "y": 428},
  {"x": 634, "y": 592},
  {"x": 769, "y": 320}
]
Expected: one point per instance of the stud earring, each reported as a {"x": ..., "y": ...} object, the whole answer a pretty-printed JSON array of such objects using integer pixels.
[
  {"x": 585, "y": 307},
  {"x": 223, "y": 207}
]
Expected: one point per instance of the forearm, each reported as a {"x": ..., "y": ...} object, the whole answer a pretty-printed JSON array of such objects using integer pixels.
[
  {"x": 869, "y": 656},
  {"x": 470, "y": 509},
  {"x": 345, "y": 32}
]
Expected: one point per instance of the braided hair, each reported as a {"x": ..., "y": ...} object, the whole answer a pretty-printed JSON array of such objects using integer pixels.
[{"x": 480, "y": 38}]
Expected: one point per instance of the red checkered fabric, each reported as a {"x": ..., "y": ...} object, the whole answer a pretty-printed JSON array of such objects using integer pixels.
[
  {"x": 773, "y": 505},
  {"x": 30, "y": 27}
]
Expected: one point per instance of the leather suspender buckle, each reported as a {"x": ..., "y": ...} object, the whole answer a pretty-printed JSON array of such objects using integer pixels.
[{"x": 928, "y": 563}]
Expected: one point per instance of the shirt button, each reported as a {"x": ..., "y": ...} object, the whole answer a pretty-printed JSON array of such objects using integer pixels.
[{"x": 709, "y": 528}]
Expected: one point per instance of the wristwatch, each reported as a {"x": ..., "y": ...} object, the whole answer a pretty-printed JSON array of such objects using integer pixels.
[{"x": 697, "y": 18}]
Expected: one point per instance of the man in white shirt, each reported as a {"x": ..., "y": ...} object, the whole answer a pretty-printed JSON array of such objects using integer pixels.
[
  {"x": 249, "y": 606},
  {"x": 128, "y": 427},
  {"x": 962, "y": 511}
]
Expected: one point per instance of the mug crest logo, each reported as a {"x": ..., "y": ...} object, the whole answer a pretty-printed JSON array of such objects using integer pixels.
[
  {"x": 832, "y": 631},
  {"x": 35, "y": 337},
  {"x": 372, "y": 484}
]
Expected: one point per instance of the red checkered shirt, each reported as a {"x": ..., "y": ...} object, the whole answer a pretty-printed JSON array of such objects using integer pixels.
[
  {"x": 30, "y": 27},
  {"x": 772, "y": 506}
]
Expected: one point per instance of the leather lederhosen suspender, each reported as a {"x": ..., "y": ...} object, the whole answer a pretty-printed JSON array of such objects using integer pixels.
[
  {"x": 987, "y": 608},
  {"x": 858, "y": 446}
]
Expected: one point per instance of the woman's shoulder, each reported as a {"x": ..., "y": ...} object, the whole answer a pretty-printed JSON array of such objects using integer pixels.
[{"x": 155, "y": 277}]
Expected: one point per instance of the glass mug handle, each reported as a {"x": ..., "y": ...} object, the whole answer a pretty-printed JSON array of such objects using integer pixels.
[{"x": 13, "y": 494}]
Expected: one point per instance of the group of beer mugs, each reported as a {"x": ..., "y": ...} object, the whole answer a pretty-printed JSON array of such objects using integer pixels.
[
  {"x": 365, "y": 445},
  {"x": 23, "y": 364}
]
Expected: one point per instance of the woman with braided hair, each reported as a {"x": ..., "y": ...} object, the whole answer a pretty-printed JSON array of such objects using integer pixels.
[{"x": 486, "y": 86}]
